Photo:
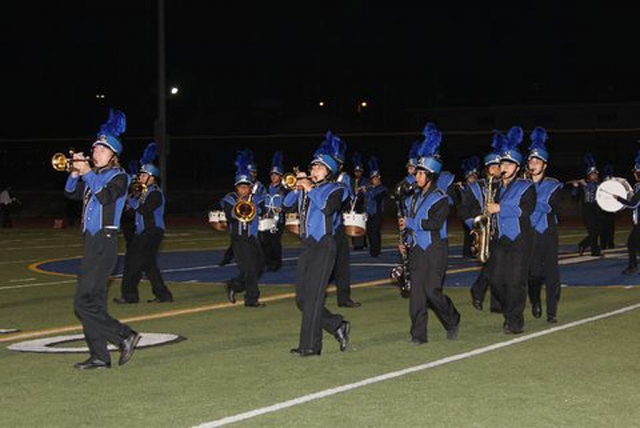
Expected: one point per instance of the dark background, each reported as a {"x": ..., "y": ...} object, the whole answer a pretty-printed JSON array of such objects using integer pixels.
[{"x": 247, "y": 70}]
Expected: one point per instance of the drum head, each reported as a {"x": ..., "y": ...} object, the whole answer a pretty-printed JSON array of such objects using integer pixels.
[{"x": 605, "y": 192}]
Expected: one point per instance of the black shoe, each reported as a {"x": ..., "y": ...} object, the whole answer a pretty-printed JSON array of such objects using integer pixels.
[
  {"x": 128, "y": 346},
  {"x": 509, "y": 330},
  {"x": 630, "y": 270},
  {"x": 122, "y": 300},
  {"x": 551, "y": 319},
  {"x": 157, "y": 300},
  {"x": 224, "y": 262},
  {"x": 349, "y": 304},
  {"x": 92, "y": 363},
  {"x": 417, "y": 342},
  {"x": 581, "y": 249},
  {"x": 342, "y": 334},
  {"x": 477, "y": 304},
  {"x": 231, "y": 294},
  {"x": 254, "y": 305},
  {"x": 452, "y": 333},
  {"x": 536, "y": 310},
  {"x": 299, "y": 352}
]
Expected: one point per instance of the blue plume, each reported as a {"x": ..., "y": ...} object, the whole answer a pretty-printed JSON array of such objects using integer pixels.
[
  {"x": 372, "y": 163},
  {"x": 149, "y": 154},
  {"x": 498, "y": 141},
  {"x": 637, "y": 159},
  {"x": 589, "y": 160},
  {"x": 356, "y": 158},
  {"x": 133, "y": 167},
  {"x": 115, "y": 125},
  {"x": 242, "y": 162},
  {"x": 413, "y": 153},
  {"x": 429, "y": 128},
  {"x": 514, "y": 138},
  {"x": 538, "y": 138},
  {"x": 338, "y": 147},
  {"x": 325, "y": 148},
  {"x": 277, "y": 159},
  {"x": 431, "y": 144}
]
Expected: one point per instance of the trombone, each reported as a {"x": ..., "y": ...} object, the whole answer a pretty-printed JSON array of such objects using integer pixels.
[{"x": 60, "y": 162}]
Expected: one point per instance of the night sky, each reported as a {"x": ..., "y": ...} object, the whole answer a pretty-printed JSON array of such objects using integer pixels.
[{"x": 253, "y": 67}]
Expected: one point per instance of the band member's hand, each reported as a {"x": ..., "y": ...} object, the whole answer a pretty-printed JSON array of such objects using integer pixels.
[
  {"x": 305, "y": 184},
  {"x": 493, "y": 208},
  {"x": 81, "y": 167},
  {"x": 402, "y": 248},
  {"x": 402, "y": 223}
]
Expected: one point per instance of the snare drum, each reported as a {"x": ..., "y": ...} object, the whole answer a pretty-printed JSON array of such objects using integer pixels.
[
  {"x": 267, "y": 224},
  {"x": 606, "y": 190},
  {"x": 355, "y": 224},
  {"x": 292, "y": 223}
]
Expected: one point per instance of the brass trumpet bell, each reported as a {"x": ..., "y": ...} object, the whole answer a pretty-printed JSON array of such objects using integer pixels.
[
  {"x": 289, "y": 180},
  {"x": 245, "y": 211},
  {"x": 60, "y": 162}
]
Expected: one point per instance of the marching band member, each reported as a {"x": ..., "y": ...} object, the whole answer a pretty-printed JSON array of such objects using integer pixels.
[
  {"x": 470, "y": 193},
  {"x": 544, "y": 220},
  {"x": 427, "y": 210},
  {"x": 475, "y": 200},
  {"x": 445, "y": 178},
  {"x": 272, "y": 239},
  {"x": 374, "y": 197},
  {"x": 514, "y": 203},
  {"x": 359, "y": 184},
  {"x": 319, "y": 201},
  {"x": 142, "y": 252},
  {"x": 633, "y": 241},
  {"x": 243, "y": 227},
  {"x": 341, "y": 270},
  {"x": 590, "y": 209},
  {"x": 103, "y": 190}
]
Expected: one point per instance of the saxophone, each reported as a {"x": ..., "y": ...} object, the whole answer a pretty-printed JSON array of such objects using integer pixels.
[{"x": 483, "y": 227}]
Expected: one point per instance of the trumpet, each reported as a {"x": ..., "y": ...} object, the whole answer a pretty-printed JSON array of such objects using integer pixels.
[
  {"x": 60, "y": 162},
  {"x": 245, "y": 211},
  {"x": 290, "y": 179}
]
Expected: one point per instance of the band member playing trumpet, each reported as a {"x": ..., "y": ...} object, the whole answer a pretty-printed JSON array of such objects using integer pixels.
[
  {"x": 148, "y": 205},
  {"x": 633, "y": 241},
  {"x": 514, "y": 203},
  {"x": 427, "y": 209},
  {"x": 319, "y": 201},
  {"x": 103, "y": 189},
  {"x": 374, "y": 197},
  {"x": 544, "y": 220},
  {"x": 590, "y": 209},
  {"x": 272, "y": 239},
  {"x": 242, "y": 209}
]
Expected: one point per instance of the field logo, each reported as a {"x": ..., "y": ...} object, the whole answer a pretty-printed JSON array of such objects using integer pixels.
[{"x": 50, "y": 345}]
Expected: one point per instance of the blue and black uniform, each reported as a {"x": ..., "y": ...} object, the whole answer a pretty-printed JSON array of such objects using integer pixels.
[
  {"x": 374, "y": 197},
  {"x": 318, "y": 210},
  {"x": 426, "y": 221},
  {"x": 246, "y": 249},
  {"x": 103, "y": 193},
  {"x": 509, "y": 249},
  {"x": 543, "y": 267},
  {"x": 272, "y": 239},
  {"x": 142, "y": 251}
]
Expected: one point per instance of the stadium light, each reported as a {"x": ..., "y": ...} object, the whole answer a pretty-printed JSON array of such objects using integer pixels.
[{"x": 174, "y": 90}]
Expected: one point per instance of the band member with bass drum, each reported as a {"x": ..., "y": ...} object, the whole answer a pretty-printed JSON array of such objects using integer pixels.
[
  {"x": 591, "y": 212},
  {"x": 359, "y": 184},
  {"x": 426, "y": 222}
]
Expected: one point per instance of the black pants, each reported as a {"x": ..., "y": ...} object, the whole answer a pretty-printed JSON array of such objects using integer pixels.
[
  {"x": 90, "y": 301},
  {"x": 374, "y": 226},
  {"x": 592, "y": 222},
  {"x": 467, "y": 240},
  {"x": 6, "y": 216},
  {"x": 509, "y": 272},
  {"x": 480, "y": 287},
  {"x": 314, "y": 269},
  {"x": 633, "y": 245},
  {"x": 272, "y": 249},
  {"x": 544, "y": 270},
  {"x": 341, "y": 272},
  {"x": 142, "y": 253},
  {"x": 248, "y": 254},
  {"x": 427, "y": 269},
  {"x": 607, "y": 237},
  {"x": 228, "y": 255},
  {"x": 359, "y": 242}
]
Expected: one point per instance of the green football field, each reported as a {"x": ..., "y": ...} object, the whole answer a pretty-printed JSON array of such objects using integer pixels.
[{"x": 234, "y": 366}]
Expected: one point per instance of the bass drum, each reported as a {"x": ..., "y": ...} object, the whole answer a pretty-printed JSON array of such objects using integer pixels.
[
  {"x": 355, "y": 224},
  {"x": 267, "y": 224},
  {"x": 218, "y": 220},
  {"x": 292, "y": 223},
  {"x": 606, "y": 191}
]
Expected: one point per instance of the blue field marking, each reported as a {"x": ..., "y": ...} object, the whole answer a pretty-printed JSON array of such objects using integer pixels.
[{"x": 202, "y": 266}]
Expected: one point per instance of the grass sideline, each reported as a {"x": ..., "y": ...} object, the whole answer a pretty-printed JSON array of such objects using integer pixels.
[{"x": 235, "y": 359}]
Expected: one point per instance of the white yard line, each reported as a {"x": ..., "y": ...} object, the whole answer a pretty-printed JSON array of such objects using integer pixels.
[{"x": 399, "y": 373}]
